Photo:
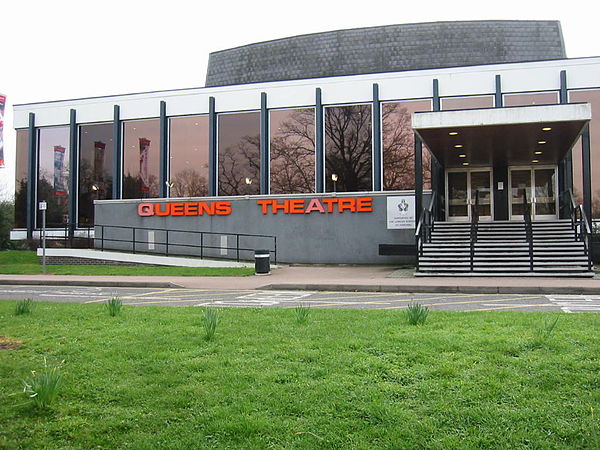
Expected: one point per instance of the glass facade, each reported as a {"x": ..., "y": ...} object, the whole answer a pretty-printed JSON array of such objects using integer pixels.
[
  {"x": 141, "y": 158},
  {"x": 95, "y": 168},
  {"x": 292, "y": 150},
  {"x": 239, "y": 153},
  {"x": 348, "y": 148},
  {"x": 21, "y": 178},
  {"x": 591, "y": 96},
  {"x": 399, "y": 145},
  {"x": 54, "y": 155},
  {"x": 188, "y": 157},
  {"x": 534, "y": 98},
  {"x": 475, "y": 102}
]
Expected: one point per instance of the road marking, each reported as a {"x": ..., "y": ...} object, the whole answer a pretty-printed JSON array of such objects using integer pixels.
[
  {"x": 511, "y": 307},
  {"x": 124, "y": 297},
  {"x": 576, "y": 303},
  {"x": 471, "y": 301},
  {"x": 276, "y": 295}
]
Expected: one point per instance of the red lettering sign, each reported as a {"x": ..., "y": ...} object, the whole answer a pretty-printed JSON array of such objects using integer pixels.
[
  {"x": 220, "y": 208},
  {"x": 325, "y": 205}
]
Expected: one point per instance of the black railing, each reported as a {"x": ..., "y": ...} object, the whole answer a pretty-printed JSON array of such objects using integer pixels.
[
  {"x": 168, "y": 244},
  {"x": 580, "y": 224},
  {"x": 70, "y": 235},
  {"x": 474, "y": 227},
  {"x": 528, "y": 227},
  {"x": 425, "y": 227}
]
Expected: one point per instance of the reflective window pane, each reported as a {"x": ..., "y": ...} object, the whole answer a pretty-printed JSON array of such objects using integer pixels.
[
  {"x": 141, "y": 158},
  {"x": 292, "y": 151},
  {"x": 239, "y": 153},
  {"x": 475, "y": 102},
  {"x": 53, "y": 174},
  {"x": 399, "y": 145},
  {"x": 536, "y": 98},
  {"x": 591, "y": 96},
  {"x": 95, "y": 168},
  {"x": 22, "y": 159},
  {"x": 348, "y": 149},
  {"x": 188, "y": 157}
]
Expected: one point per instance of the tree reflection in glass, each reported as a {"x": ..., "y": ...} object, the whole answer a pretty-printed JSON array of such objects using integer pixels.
[
  {"x": 348, "y": 149},
  {"x": 292, "y": 151},
  {"x": 399, "y": 146},
  {"x": 239, "y": 154},
  {"x": 188, "y": 144}
]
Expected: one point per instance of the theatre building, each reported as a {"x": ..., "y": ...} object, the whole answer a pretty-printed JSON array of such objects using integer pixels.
[{"x": 468, "y": 145}]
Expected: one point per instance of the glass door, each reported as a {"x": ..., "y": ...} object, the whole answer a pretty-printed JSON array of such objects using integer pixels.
[
  {"x": 542, "y": 197},
  {"x": 462, "y": 187},
  {"x": 458, "y": 209}
]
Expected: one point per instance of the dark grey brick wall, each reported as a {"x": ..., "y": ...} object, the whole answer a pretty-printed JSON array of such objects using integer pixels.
[
  {"x": 78, "y": 261},
  {"x": 387, "y": 49}
]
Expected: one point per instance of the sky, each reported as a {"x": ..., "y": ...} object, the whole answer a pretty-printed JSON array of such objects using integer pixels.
[{"x": 64, "y": 49}]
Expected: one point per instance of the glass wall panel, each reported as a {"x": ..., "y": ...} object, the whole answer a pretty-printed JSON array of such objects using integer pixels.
[
  {"x": 538, "y": 98},
  {"x": 348, "y": 149},
  {"x": 188, "y": 160},
  {"x": 399, "y": 145},
  {"x": 141, "y": 158},
  {"x": 591, "y": 96},
  {"x": 239, "y": 153},
  {"x": 22, "y": 160},
  {"x": 292, "y": 151},
  {"x": 454, "y": 103},
  {"x": 95, "y": 168},
  {"x": 53, "y": 174}
]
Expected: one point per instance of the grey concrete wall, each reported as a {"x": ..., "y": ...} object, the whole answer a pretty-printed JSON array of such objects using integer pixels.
[
  {"x": 348, "y": 237},
  {"x": 388, "y": 48}
]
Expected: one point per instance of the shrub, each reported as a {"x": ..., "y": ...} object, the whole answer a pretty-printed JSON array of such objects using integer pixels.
[
  {"x": 114, "y": 306},
  {"x": 42, "y": 387},
  {"x": 7, "y": 216},
  {"x": 210, "y": 320},
  {"x": 416, "y": 314},
  {"x": 302, "y": 313},
  {"x": 24, "y": 307}
]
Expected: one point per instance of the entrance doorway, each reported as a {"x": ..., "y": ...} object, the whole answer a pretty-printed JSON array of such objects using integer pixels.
[
  {"x": 540, "y": 186},
  {"x": 462, "y": 187}
]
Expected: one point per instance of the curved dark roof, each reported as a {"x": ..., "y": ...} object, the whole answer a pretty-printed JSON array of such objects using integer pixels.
[{"x": 388, "y": 48}]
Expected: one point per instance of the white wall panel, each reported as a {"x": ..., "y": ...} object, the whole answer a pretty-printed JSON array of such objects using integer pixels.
[
  {"x": 95, "y": 112},
  {"x": 584, "y": 75},
  {"x": 284, "y": 97},
  {"x": 179, "y": 105},
  {"x": 530, "y": 79},
  {"x": 139, "y": 108},
  {"x": 236, "y": 99},
  {"x": 358, "y": 91},
  {"x": 467, "y": 83},
  {"x": 405, "y": 87}
]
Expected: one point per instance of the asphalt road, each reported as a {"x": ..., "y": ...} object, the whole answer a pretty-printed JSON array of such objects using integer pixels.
[{"x": 290, "y": 299}]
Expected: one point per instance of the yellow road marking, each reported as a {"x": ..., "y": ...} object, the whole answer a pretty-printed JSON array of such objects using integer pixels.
[
  {"x": 415, "y": 299},
  {"x": 512, "y": 306}
]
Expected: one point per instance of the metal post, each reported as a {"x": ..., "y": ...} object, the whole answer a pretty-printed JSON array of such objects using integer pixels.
[{"x": 42, "y": 208}]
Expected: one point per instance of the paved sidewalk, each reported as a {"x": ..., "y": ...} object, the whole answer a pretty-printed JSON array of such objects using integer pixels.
[{"x": 331, "y": 278}]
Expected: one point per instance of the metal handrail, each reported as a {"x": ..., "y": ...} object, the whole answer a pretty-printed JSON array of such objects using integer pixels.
[
  {"x": 169, "y": 244},
  {"x": 474, "y": 227},
  {"x": 528, "y": 227},
  {"x": 586, "y": 234},
  {"x": 424, "y": 227}
]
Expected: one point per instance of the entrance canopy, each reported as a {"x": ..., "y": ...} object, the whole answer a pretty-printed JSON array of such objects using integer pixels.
[{"x": 513, "y": 136}]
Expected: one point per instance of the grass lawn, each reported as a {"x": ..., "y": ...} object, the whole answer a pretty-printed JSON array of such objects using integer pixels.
[
  {"x": 26, "y": 262},
  {"x": 346, "y": 379}
]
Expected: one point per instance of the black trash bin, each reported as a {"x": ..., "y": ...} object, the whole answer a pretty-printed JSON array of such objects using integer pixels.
[{"x": 262, "y": 262}]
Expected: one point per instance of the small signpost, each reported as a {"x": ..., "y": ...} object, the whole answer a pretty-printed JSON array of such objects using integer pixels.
[{"x": 42, "y": 207}]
